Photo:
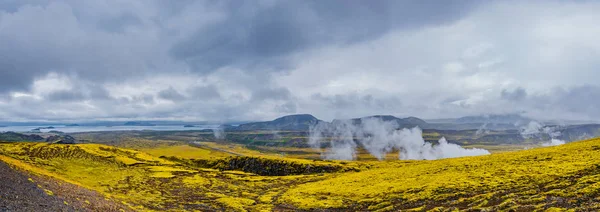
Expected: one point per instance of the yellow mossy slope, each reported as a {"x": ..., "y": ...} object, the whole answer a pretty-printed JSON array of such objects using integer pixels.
[
  {"x": 562, "y": 176},
  {"x": 151, "y": 183},
  {"x": 566, "y": 176}
]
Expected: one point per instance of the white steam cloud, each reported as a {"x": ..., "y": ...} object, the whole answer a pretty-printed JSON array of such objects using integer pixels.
[
  {"x": 537, "y": 130},
  {"x": 219, "y": 132},
  {"x": 380, "y": 138},
  {"x": 554, "y": 142}
]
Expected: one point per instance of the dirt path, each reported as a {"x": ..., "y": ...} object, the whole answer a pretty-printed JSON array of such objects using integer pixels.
[
  {"x": 21, "y": 191},
  {"x": 18, "y": 193}
]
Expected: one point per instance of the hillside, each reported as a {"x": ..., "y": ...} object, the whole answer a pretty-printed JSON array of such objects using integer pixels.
[
  {"x": 566, "y": 176},
  {"x": 300, "y": 122},
  {"x": 12, "y": 136}
]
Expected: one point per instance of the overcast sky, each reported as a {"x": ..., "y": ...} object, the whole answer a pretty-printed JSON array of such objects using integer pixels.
[{"x": 257, "y": 60}]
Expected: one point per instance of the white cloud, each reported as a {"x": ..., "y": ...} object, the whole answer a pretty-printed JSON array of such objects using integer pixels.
[{"x": 112, "y": 59}]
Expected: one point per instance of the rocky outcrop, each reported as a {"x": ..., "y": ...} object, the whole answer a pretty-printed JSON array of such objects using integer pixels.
[
  {"x": 60, "y": 139},
  {"x": 264, "y": 166}
]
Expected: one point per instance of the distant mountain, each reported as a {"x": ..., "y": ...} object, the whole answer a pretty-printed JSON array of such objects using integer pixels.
[
  {"x": 291, "y": 122},
  {"x": 513, "y": 119},
  {"x": 409, "y": 122},
  {"x": 13, "y": 136},
  {"x": 135, "y": 123},
  {"x": 579, "y": 132}
]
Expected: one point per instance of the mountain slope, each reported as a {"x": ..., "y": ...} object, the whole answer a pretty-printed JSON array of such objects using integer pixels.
[{"x": 291, "y": 122}]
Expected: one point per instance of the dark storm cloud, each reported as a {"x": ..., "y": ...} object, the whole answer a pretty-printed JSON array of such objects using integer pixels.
[
  {"x": 103, "y": 42},
  {"x": 73, "y": 38},
  {"x": 255, "y": 35},
  {"x": 82, "y": 91}
]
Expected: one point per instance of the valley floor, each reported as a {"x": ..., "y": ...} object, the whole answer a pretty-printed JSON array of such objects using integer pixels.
[{"x": 178, "y": 177}]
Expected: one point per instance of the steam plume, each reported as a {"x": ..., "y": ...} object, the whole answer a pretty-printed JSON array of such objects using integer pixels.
[
  {"x": 219, "y": 132},
  {"x": 380, "y": 138},
  {"x": 537, "y": 130}
]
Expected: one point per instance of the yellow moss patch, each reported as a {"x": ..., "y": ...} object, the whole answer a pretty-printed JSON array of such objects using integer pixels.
[
  {"x": 196, "y": 181},
  {"x": 235, "y": 203}
]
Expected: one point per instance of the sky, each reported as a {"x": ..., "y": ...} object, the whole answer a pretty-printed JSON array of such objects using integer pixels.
[{"x": 73, "y": 60}]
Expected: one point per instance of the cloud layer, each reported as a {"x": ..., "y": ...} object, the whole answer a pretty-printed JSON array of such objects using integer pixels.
[{"x": 223, "y": 61}]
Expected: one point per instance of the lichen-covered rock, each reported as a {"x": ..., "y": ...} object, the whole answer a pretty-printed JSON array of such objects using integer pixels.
[
  {"x": 58, "y": 139},
  {"x": 263, "y": 166}
]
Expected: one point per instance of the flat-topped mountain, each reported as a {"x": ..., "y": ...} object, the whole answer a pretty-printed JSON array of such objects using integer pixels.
[
  {"x": 291, "y": 122},
  {"x": 408, "y": 122},
  {"x": 301, "y": 122}
]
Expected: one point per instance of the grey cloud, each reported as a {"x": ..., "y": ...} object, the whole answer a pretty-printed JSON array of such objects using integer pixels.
[
  {"x": 137, "y": 99},
  {"x": 259, "y": 59},
  {"x": 516, "y": 95},
  {"x": 171, "y": 94},
  {"x": 354, "y": 101},
  {"x": 119, "y": 23},
  {"x": 255, "y": 35},
  {"x": 287, "y": 108},
  {"x": 271, "y": 93},
  {"x": 64, "y": 37},
  {"x": 81, "y": 91},
  {"x": 209, "y": 92},
  {"x": 60, "y": 96}
]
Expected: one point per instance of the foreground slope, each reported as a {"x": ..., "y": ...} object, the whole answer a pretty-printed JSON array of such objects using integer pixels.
[
  {"x": 21, "y": 191},
  {"x": 17, "y": 192},
  {"x": 566, "y": 176}
]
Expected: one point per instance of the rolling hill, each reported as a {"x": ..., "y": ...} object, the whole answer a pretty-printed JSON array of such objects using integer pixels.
[{"x": 560, "y": 177}]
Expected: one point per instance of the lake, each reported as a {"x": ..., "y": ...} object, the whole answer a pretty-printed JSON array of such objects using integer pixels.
[{"x": 73, "y": 129}]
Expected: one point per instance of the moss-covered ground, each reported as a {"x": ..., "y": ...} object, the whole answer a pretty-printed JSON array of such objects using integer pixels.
[{"x": 186, "y": 178}]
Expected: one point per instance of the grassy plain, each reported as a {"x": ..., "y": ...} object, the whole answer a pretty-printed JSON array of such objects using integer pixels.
[{"x": 208, "y": 177}]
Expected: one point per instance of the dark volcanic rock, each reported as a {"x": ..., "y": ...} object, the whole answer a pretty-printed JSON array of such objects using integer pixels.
[
  {"x": 17, "y": 193},
  {"x": 264, "y": 166},
  {"x": 58, "y": 139}
]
